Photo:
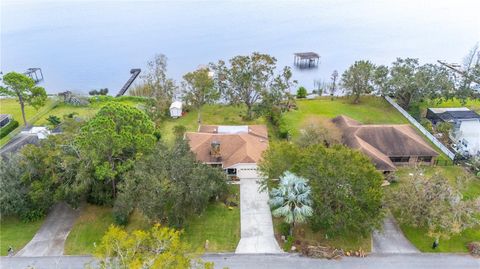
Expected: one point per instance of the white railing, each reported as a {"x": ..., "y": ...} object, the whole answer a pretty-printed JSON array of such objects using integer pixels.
[{"x": 422, "y": 129}]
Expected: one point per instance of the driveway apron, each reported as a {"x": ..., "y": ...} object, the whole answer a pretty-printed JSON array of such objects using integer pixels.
[
  {"x": 50, "y": 238},
  {"x": 391, "y": 239}
]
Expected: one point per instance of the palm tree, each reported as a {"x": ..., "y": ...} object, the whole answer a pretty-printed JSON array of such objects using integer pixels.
[{"x": 291, "y": 200}]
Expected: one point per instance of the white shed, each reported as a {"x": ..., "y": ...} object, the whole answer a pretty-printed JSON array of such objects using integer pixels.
[{"x": 176, "y": 109}]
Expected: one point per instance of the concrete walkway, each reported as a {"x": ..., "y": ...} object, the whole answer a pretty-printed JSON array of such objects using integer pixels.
[
  {"x": 50, "y": 239},
  {"x": 256, "y": 220},
  {"x": 391, "y": 239}
]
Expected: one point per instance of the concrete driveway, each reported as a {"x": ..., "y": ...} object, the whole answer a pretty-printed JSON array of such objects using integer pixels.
[
  {"x": 50, "y": 238},
  {"x": 256, "y": 220},
  {"x": 391, "y": 239}
]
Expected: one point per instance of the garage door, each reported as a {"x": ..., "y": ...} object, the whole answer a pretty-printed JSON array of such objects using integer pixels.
[{"x": 247, "y": 172}]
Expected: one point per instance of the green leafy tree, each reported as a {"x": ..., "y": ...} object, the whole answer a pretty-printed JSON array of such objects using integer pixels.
[
  {"x": 198, "y": 89},
  {"x": 357, "y": 80},
  {"x": 344, "y": 200},
  {"x": 246, "y": 80},
  {"x": 159, "y": 247},
  {"x": 170, "y": 185},
  {"x": 23, "y": 88},
  {"x": 14, "y": 198},
  {"x": 156, "y": 85},
  {"x": 112, "y": 140},
  {"x": 301, "y": 92},
  {"x": 291, "y": 200},
  {"x": 433, "y": 203}
]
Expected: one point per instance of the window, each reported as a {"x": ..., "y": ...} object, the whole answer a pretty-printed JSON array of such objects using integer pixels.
[
  {"x": 400, "y": 159},
  {"x": 426, "y": 159}
]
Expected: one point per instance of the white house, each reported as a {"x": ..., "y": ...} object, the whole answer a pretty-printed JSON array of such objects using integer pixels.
[
  {"x": 465, "y": 133},
  {"x": 176, "y": 109},
  {"x": 467, "y": 137}
]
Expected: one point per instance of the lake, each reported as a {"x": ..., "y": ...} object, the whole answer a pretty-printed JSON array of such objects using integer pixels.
[{"x": 84, "y": 45}]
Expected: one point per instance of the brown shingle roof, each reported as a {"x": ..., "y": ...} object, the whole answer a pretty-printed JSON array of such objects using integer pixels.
[
  {"x": 234, "y": 148},
  {"x": 383, "y": 141}
]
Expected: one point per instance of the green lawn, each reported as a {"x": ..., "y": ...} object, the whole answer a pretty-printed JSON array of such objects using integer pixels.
[
  {"x": 370, "y": 110},
  {"x": 211, "y": 114},
  {"x": 470, "y": 190},
  {"x": 11, "y": 106},
  {"x": 90, "y": 227},
  {"x": 219, "y": 225},
  {"x": 15, "y": 233},
  {"x": 347, "y": 242},
  {"x": 84, "y": 112},
  {"x": 473, "y": 104}
]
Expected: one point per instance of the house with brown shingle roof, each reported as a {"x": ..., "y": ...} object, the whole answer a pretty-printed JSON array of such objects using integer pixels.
[
  {"x": 387, "y": 145},
  {"x": 237, "y": 149}
]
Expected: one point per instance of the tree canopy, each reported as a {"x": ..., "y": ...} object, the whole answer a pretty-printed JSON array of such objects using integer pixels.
[
  {"x": 346, "y": 188},
  {"x": 158, "y": 86},
  {"x": 159, "y": 247},
  {"x": 111, "y": 141},
  {"x": 198, "y": 89},
  {"x": 433, "y": 203},
  {"x": 250, "y": 78},
  {"x": 169, "y": 185},
  {"x": 24, "y": 89},
  {"x": 357, "y": 80}
]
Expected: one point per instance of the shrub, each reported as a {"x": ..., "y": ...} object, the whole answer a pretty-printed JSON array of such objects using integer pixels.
[
  {"x": 301, "y": 92},
  {"x": 103, "y": 91},
  {"x": 427, "y": 124},
  {"x": 474, "y": 248},
  {"x": 8, "y": 128},
  {"x": 288, "y": 245},
  {"x": 179, "y": 131},
  {"x": 284, "y": 228},
  {"x": 54, "y": 120},
  {"x": 283, "y": 129}
]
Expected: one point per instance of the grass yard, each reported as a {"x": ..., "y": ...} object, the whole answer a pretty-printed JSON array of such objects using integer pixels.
[
  {"x": 473, "y": 104},
  {"x": 457, "y": 243},
  {"x": 11, "y": 106},
  {"x": 84, "y": 112},
  {"x": 211, "y": 114},
  {"x": 92, "y": 224},
  {"x": 16, "y": 233},
  {"x": 218, "y": 224},
  {"x": 370, "y": 110},
  {"x": 347, "y": 242},
  {"x": 470, "y": 190}
]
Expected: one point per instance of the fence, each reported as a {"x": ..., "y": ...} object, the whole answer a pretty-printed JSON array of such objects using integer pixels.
[{"x": 422, "y": 129}]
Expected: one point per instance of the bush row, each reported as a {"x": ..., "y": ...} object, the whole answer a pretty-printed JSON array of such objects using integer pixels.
[{"x": 4, "y": 131}]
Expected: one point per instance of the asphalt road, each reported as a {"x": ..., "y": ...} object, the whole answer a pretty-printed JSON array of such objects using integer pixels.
[{"x": 279, "y": 261}]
